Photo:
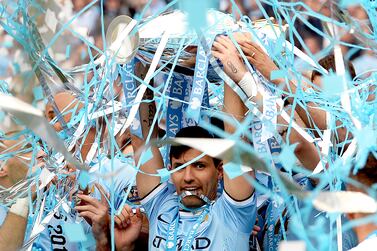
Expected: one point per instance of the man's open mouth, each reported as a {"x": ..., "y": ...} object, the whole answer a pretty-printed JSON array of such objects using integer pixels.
[{"x": 190, "y": 191}]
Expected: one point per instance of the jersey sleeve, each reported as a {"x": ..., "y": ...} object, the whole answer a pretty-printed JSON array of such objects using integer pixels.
[
  {"x": 154, "y": 200},
  {"x": 239, "y": 215},
  {"x": 124, "y": 176},
  {"x": 3, "y": 214},
  {"x": 122, "y": 182}
]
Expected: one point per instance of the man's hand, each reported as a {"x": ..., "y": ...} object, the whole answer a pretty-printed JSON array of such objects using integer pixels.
[
  {"x": 96, "y": 213},
  {"x": 127, "y": 224},
  {"x": 259, "y": 59},
  {"x": 226, "y": 52},
  {"x": 256, "y": 228},
  {"x": 127, "y": 228}
]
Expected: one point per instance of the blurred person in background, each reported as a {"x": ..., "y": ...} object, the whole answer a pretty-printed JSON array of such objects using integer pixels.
[
  {"x": 17, "y": 155},
  {"x": 114, "y": 8},
  {"x": 86, "y": 21},
  {"x": 313, "y": 42},
  {"x": 153, "y": 8},
  {"x": 365, "y": 61},
  {"x": 366, "y": 178}
]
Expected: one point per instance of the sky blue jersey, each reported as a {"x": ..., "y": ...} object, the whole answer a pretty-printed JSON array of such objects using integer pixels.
[{"x": 227, "y": 226}]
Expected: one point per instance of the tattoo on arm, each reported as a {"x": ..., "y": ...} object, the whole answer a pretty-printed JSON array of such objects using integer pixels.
[
  {"x": 148, "y": 94},
  {"x": 232, "y": 67},
  {"x": 151, "y": 114}
]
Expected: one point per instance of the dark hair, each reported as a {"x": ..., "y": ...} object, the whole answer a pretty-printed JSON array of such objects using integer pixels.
[
  {"x": 368, "y": 174},
  {"x": 309, "y": 34},
  {"x": 191, "y": 132},
  {"x": 328, "y": 63}
]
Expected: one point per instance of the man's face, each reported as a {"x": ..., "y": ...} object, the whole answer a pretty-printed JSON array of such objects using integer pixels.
[
  {"x": 66, "y": 103},
  {"x": 17, "y": 166},
  {"x": 200, "y": 177},
  {"x": 50, "y": 115}
]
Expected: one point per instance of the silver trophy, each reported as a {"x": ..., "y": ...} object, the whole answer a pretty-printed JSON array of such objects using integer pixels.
[{"x": 144, "y": 37}]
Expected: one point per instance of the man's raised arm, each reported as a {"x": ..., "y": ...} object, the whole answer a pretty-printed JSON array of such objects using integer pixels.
[
  {"x": 12, "y": 231},
  {"x": 238, "y": 188},
  {"x": 312, "y": 114},
  {"x": 146, "y": 183}
]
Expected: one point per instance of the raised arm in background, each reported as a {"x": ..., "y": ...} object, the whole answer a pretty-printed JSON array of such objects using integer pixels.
[
  {"x": 12, "y": 232},
  {"x": 313, "y": 113},
  {"x": 146, "y": 183},
  {"x": 225, "y": 50}
]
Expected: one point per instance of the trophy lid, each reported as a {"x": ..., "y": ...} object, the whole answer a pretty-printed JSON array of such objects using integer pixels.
[
  {"x": 128, "y": 45},
  {"x": 179, "y": 27}
]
